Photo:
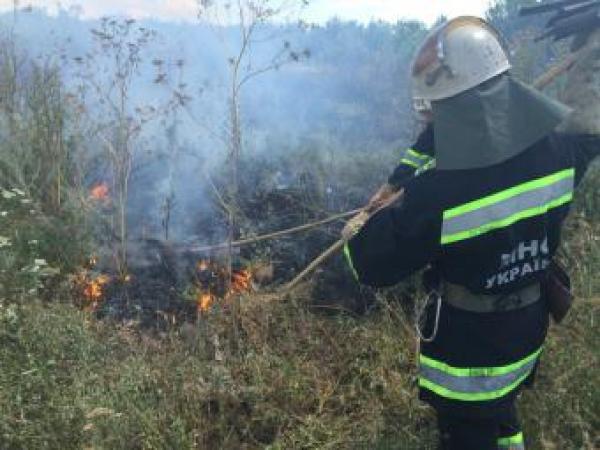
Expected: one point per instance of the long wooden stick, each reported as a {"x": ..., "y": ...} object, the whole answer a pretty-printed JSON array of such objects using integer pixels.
[
  {"x": 313, "y": 265},
  {"x": 335, "y": 247},
  {"x": 554, "y": 72},
  {"x": 275, "y": 234}
]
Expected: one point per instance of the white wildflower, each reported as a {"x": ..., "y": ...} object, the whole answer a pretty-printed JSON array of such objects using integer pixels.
[
  {"x": 49, "y": 271},
  {"x": 11, "y": 314},
  {"x": 33, "y": 242},
  {"x": 4, "y": 242},
  {"x": 3, "y": 213},
  {"x": 40, "y": 262},
  {"x": 8, "y": 194},
  {"x": 18, "y": 192},
  {"x": 25, "y": 201}
]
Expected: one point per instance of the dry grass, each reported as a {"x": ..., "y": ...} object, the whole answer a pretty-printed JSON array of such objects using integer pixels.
[{"x": 292, "y": 380}]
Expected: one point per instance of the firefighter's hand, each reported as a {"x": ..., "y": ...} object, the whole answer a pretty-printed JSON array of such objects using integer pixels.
[
  {"x": 381, "y": 198},
  {"x": 354, "y": 225}
]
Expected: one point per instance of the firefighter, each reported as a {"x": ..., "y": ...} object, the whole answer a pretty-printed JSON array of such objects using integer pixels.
[{"x": 485, "y": 222}]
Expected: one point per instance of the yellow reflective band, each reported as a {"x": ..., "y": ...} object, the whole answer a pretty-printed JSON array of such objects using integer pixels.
[
  {"x": 478, "y": 371},
  {"x": 410, "y": 163},
  {"x": 508, "y": 193},
  {"x": 470, "y": 396},
  {"x": 418, "y": 155},
  {"x": 532, "y": 212},
  {"x": 528, "y": 213},
  {"x": 507, "y": 207},
  {"x": 508, "y": 442},
  {"x": 349, "y": 260},
  {"x": 474, "y": 383},
  {"x": 415, "y": 159},
  {"x": 430, "y": 165}
]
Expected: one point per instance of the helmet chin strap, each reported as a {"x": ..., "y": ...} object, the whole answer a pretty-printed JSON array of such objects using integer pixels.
[{"x": 422, "y": 106}]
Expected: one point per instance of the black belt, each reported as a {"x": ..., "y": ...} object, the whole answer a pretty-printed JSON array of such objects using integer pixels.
[{"x": 462, "y": 298}]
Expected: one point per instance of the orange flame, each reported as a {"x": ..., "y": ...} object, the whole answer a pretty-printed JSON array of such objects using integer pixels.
[
  {"x": 204, "y": 302},
  {"x": 99, "y": 192},
  {"x": 93, "y": 290},
  {"x": 241, "y": 282}
]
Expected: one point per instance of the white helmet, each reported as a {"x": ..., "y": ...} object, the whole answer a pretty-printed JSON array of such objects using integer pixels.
[{"x": 455, "y": 57}]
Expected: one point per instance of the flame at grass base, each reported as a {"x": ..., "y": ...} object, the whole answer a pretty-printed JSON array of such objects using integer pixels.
[
  {"x": 90, "y": 288},
  {"x": 215, "y": 278},
  {"x": 100, "y": 192},
  {"x": 94, "y": 289},
  {"x": 204, "y": 302}
]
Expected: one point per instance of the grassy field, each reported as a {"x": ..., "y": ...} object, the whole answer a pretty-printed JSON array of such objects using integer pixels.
[
  {"x": 284, "y": 378},
  {"x": 296, "y": 381}
]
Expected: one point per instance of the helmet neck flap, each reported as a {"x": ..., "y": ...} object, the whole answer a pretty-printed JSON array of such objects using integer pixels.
[{"x": 492, "y": 123}]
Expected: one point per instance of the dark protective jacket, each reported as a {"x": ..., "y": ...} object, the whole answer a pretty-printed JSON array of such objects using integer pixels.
[
  {"x": 492, "y": 230},
  {"x": 415, "y": 160}
]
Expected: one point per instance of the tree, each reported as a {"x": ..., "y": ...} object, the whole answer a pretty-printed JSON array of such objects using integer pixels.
[
  {"x": 172, "y": 136},
  {"x": 119, "y": 50},
  {"x": 33, "y": 113},
  {"x": 249, "y": 16}
]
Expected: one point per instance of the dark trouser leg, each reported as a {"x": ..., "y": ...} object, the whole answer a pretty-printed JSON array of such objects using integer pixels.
[
  {"x": 511, "y": 435},
  {"x": 467, "y": 433}
]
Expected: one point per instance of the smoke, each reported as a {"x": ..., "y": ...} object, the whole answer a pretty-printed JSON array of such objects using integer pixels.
[{"x": 350, "y": 96}]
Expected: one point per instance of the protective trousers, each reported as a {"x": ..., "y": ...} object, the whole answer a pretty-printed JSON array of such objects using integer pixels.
[{"x": 460, "y": 433}]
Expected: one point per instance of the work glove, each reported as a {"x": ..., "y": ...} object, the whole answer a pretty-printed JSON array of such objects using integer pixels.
[
  {"x": 381, "y": 198},
  {"x": 354, "y": 225},
  {"x": 582, "y": 92},
  {"x": 386, "y": 195}
]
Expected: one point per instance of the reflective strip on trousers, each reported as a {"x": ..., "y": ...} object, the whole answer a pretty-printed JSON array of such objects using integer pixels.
[
  {"x": 515, "y": 442},
  {"x": 474, "y": 383},
  {"x": 415, "y": 159},
  {"x": 507, "y": 207}
]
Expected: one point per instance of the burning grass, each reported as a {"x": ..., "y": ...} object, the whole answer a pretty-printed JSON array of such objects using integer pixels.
[
  {"x": 214, "y": 284},
  {"x": 154, "y": 292},
  {"x": 89, "y": 286}
]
